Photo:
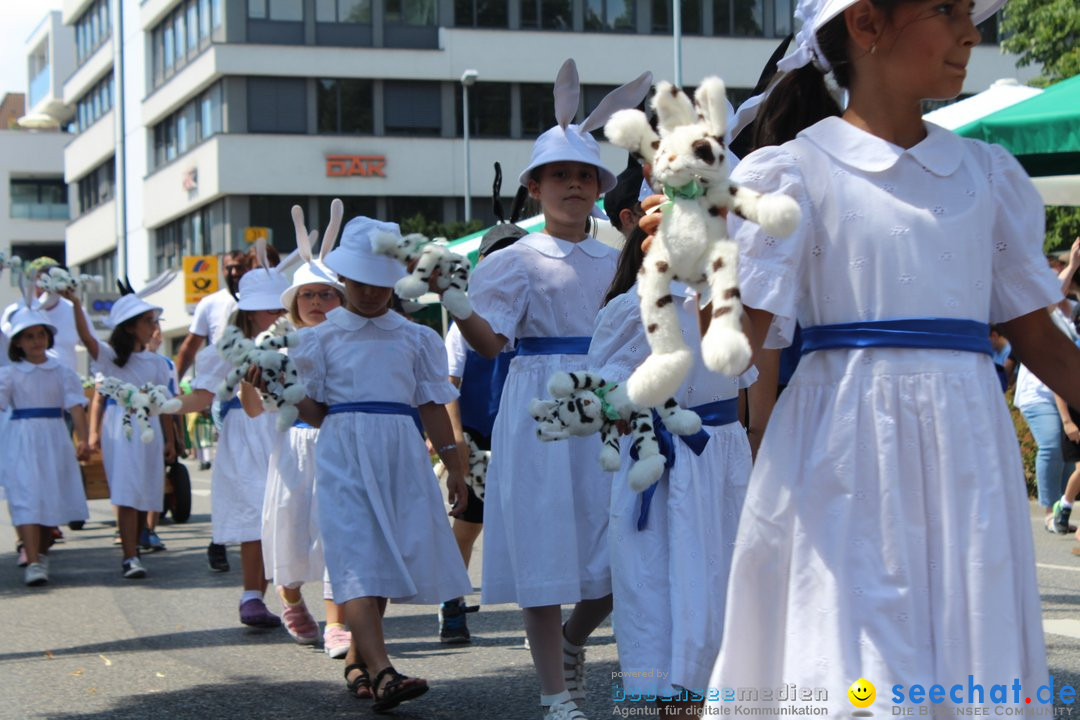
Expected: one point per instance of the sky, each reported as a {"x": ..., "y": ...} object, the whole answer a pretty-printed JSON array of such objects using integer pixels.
[{"x": 18, "y": 18}]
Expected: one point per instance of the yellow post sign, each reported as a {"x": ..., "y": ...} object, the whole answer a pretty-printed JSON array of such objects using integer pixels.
[
  {"x": 254, "y": 232},
  {"x": 200, "y": 277}
]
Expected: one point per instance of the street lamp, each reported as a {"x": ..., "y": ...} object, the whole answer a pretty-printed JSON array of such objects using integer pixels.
[{"x": 467, "y": 79}]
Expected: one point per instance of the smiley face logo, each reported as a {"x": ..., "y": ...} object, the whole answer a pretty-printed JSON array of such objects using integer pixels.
[{"x": 862, "y": 693}]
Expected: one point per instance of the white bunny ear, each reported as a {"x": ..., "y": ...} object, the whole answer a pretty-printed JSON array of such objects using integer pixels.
[
  {"x": 627, "y": 96},
  {"x": 711, "y": 101},
  {"x": 260, "y": 253},
  {"x": 156, "y": 284},
  {"x": 293, "y": 258},
  {"x": 567, "y": 92},
  {"x": 304, "y": 241},
  {"x": 27, "y": 290},
  {"x": 673, "y": 108},
  {"x": 329, "y": 238}
]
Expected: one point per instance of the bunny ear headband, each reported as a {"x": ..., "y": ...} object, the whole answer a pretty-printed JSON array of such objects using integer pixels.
[
  {"x": 132, "y": 304},
  {"x": 29, "y": 315},
  {"x": 496, "y": 199},
  {"x": 567, "y": 142},
  {"x": 314, "y": 269},
  {"x": 810, "y": 17}
]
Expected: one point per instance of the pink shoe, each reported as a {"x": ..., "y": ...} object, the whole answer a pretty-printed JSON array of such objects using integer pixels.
[
  {"x": 336, "y": 641},
  {"x": 300, "y": 624},
  {"x": 23, "y": 561},
  {"x": 254, "y": 613}
]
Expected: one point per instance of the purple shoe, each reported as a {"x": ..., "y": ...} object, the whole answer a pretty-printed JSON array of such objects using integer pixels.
[{"x": 255, "y": 614}]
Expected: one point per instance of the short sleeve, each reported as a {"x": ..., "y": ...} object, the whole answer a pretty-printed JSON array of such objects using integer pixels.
[
  {"x": 106, "y": 360},
  {"x": 430, "y": 369},
  {"x": 200, "y": 323},
  {"x": 1022, "y": 280},
  {"x": 618, "y": 343},
  {"x": 456, "y": 351},
  {"x": 770, "y": 268},
  {"x": 310, "y": 361},
  {"x": 73, "y": 389},
  {"x": 210, "y": 369},
  {"x": 499, "y": 292},
  {"x": 6, "y": 389}
]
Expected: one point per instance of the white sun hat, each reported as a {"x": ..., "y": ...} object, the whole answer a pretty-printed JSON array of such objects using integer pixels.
[
  {"x": 314, "y": 270},
  {"x": 261, "y": 289},
  {"x": 132, "y": 304},
  {"x": 567, "y": 142},
  {"x": 24, "y": 318},
  {"x": 355, "y": 258}
]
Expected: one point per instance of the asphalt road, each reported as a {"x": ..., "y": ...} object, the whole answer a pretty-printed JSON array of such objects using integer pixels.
[{"x": 92, "y": 645}]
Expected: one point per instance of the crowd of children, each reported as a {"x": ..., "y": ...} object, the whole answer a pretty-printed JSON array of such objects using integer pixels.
[{"x": 871, "y": 534}]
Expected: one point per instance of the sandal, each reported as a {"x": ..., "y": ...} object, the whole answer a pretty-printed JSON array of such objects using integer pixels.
[
  {"x": 397, "y": 690},
  {"x": 359, "y": 686}
]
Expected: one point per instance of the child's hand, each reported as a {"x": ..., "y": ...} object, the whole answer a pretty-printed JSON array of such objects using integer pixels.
[
  {"x": 255, "y": 379},
  {"x": 82, "y": 451},
  {"x": 456, "y": 494},
  {"x": 170, "y": 453},
  {"x": 650, "y": 222},
  {"x": 94, "y": 442}
]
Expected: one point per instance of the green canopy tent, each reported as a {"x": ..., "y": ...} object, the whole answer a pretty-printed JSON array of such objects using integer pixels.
[{"x": 1042, "y": 132}]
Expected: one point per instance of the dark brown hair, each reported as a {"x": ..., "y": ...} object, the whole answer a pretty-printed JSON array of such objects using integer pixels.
[
  {"x": 122, "y": 340},
  {"x": 626, "y": 271},
  {"x": 16, "y": 354}
]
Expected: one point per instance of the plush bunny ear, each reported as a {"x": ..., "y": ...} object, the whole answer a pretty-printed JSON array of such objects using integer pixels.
[
  {"x": 519, "y": 203},
  {"x": 329, "y": 238},
  {"x": 125, "y": 289},
  {"x": 711, "y": 101},
  {"x": 626, "y": 96},
  {"x": 496, "y": 188},
  {"x": 260, "y": 254},
  {"x": 304, "y": 240},
  {"x": 27, "y": 291},
  {"x": 567, "y": 92},
  {"x": 673, "y": 108},
  {"x": 157, "y": 284}
]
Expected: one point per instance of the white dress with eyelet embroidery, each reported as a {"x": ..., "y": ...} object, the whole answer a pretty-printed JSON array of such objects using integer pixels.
[
  {"x": 670, "y": 578},
  {"x": 546, "y": 504},
  {"x": 886, "y": 533}
]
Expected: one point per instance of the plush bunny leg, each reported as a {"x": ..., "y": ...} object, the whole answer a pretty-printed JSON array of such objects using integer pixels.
[
  {"x": 650, "y": 463},
  {"x": 416, "y": 284},
  {"x": 657, "y": 379},
  {"x": 609, "y": 454},
  {"x": 678, "y": 420},
  {"x": 724, "y": 348}
]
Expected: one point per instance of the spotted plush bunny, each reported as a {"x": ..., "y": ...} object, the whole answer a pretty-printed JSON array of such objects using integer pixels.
[
  {"x": 689, "y": 165},
  {"x": 478, "y": 465},
  {"x": 429, "y": 256},
  {"x": 283, "y": 387},
  {"x": 139, "y": 403},
  {"x": 584, "y": 404}
]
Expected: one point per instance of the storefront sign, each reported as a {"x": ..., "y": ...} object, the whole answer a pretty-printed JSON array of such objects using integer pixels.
[
  {"x": 361, "y": 165},
  {"x": 200, "y": 277},
  {"x": 253, "y": 233}
]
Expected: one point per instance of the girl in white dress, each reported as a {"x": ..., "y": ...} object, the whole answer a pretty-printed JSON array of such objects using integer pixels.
[
  {"x": 886, "y": 533},
  {"x": 291, "y": 545},
  {"x": 135, "y": 470},
  {"x": 671, "y": 546},
  {"x": 39, "y": 470},
  {"x": 372, "y": 378},
  {"x": 546, "y": 504},
  {"x": 248, "y": 435}
]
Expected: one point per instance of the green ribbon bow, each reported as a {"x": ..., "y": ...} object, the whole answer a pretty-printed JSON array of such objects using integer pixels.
[
  {"x": 607, "y": 408},
  {"x": 689, "y": 191}
]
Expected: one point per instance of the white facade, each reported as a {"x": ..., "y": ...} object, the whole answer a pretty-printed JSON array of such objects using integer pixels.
[{"x": 231, "y": 131}]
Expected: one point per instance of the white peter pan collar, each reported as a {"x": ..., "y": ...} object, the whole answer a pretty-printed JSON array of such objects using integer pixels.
[
  {"x": 29, "y": 367},
  {"x": 554, "y": 247},
  {"x": 347, "y": 320},
  {"x": 940, "y": 152}
]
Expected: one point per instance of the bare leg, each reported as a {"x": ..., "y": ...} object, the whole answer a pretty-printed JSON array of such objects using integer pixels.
[
  {"x": 335, "y": 614},
  {"x": 127, "y": 519},
  {"x": 587, "y": 616},
  {"x": 466, "y": 533},
  {"x": 291, "y": 595},
  {"x": 543, "y": 626},
  {"x": 30, "y": 536},
  {"x": 252, "y": 563}
]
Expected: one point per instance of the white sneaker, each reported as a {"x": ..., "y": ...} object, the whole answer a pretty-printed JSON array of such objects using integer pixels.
[
  {"x": 36, "y": 574},
  {"x": 44, "y": 560},
  {"x": 567, "y": 710},
  {"x": 134, "y": 569}
]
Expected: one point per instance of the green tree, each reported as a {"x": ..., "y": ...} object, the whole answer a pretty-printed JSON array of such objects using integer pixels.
[
  {"x": 432, "y": 229},
  {"x": 1062, "y": 227},
  {"x": 1045, "y": 33}
]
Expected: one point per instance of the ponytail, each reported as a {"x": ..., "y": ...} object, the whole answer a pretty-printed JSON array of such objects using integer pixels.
[{"x": 626, "y": 271}]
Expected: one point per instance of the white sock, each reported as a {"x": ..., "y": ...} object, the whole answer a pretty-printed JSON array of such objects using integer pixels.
[
  {"x": 549, "y": 700},
  {"x": 1065, "y": 503},
  {"x": 250, "y": 595}
]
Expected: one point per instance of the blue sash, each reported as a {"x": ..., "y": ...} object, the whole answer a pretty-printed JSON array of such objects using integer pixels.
[
  {"x": 927, "y": 333},
  {"x": 553, "y": 346},
  {"x": 33, "y": 413},
  {"x": 475, "y": 400},
  {"x": 379, "y": 408},
  {"x": 301, "y": 425},
  {"x": 712, "y": 414},
  {"x": 498, "y": 380},
  {"x": 231, "y": 404}
]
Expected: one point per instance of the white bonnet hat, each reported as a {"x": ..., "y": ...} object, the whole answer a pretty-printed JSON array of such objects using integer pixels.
[
  {"x": 356, "y": 259},
  {"x": 261, "y": 289},
  {"x": 26, "y": 317},
  {"x": 810, "y": 17},
  {"x": 314, "y": 269},
  {"x": 567, "y": 142},
  {"x": 132, "y": 304}
]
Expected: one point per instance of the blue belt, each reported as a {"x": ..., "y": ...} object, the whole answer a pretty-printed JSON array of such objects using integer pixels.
[
  {"x": 301, "y": 425},
  {"x": 928, "y": 333},
  {"x": 553, "y": 346},
  {"x": 712, "y": 414},
  {"x": 231, "y": 404},
  {"x": 378, "y": 408},
  {"x": 33, "y": 413}
]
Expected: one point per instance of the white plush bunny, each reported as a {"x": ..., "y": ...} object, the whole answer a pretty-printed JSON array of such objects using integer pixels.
[
  {"x": 430, "y": 255},
  {"x": 585, "y": 404},
  {"x": 283, "y": 387},
  {"x": 140, "y": 403},
  {"x": 689, "y": 165},
  {"x": 10, "y": 261}
]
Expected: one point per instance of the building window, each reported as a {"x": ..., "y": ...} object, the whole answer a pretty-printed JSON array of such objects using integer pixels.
[
  {"x": 783, "y": 17},
  {"x": 203, "y": 232},
  {"x": 92, "y": 29},
  {"x": 38, "y": 70},
  {"x": 272, "y": 211},
  {"x": 39, "y": 199},
  {"x": 547, "y": 14},
  {"x": 102, "y": 265},
  {"x": 277, "y": 105},
  {"x": 277, "y": 10},
  {"x": 194, "y": 122},
  {"x": 412, "y": 12},
  {"x": 354, "y": 205},
  {"x": 412, "y": 108},
  {"x": 609, "y": 15},
  {"x": 344, "y": 106},
  {"x": 489, "y": 110},
  {"x": 343, "y": 11},
  {"x": 481, "y": 13},
  {"x": 989, "y": 29},
  {"x": 399, "y": 209},
  {"x": 691, "y": 16},
  {"x": 183, "y": 34},
  {"x": 537, "y": 109},
  {"x": 745, "y": 18},
  {"x": 94, "y": 104},
  {"x": 96, "y": 187}
]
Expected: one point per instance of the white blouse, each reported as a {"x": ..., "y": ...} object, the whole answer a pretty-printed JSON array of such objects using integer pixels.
[
  {"x": 48, "y": 385},
  {"x": 141, "y": 367}
]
